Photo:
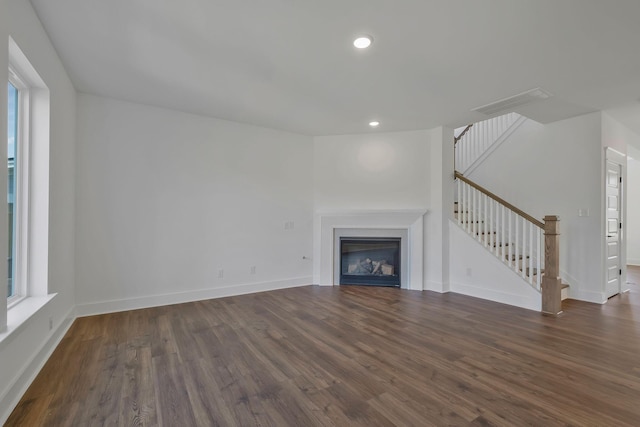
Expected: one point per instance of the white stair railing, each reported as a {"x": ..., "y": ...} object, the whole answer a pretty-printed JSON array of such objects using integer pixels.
[
  {"x": 479, "y": 137},
  {"x": 513, "y": 236}
]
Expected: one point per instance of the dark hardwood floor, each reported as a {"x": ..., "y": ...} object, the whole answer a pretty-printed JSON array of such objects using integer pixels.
[{"x": 345, "y": 356}]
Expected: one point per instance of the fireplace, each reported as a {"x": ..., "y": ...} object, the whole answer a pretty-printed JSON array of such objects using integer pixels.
[
  {"x": 331, "y": 227},
  {"x": 373, "y": 261}
]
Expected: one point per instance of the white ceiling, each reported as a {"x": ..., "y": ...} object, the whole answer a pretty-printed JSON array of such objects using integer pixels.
[{"x": 289, "y": 64}]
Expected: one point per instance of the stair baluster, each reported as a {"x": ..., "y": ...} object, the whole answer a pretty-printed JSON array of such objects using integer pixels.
[
  {"x": 515, "y": 237},
  {"x": 476, "y": 139}
]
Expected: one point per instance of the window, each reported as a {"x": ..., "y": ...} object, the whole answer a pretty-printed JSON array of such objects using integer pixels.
[
  {"x": 12, "y": 136},
  {"x": 17, "y": 186},
  {"x": 26, "y": 239},
  {"x": 27, "y": 154}
]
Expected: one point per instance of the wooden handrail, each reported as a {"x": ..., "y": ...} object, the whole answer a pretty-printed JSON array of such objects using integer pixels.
[
  {"x": 459, "y": 137},
  {"x": 483, "y": 190}
]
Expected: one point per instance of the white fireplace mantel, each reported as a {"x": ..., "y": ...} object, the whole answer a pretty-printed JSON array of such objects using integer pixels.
[{"x": 410, "y": 222}]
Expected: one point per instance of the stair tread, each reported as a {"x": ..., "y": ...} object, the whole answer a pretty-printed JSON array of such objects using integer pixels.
[
  {"x": 535, "y": 272},
  {"x": 513, "y": 257}
]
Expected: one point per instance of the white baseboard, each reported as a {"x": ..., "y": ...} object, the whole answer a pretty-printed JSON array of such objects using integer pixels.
[
  {"x": 521, "y": 301},
  {"x": 440, "y": 287},
  {"x": 633, "y": 261},
  {"x": 575, "y": 291},
  {"x": 14, "y": 392},
  {"x": 587, "y": 296},
  {"x": 90, "y": 309}
]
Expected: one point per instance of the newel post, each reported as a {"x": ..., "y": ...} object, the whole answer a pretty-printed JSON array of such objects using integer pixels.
[{"x": 551, "y": 282}]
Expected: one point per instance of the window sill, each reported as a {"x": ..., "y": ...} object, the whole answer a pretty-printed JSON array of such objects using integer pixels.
[
  {"x": 20, "y": 313},
  {"x": 13, "y": 301}
]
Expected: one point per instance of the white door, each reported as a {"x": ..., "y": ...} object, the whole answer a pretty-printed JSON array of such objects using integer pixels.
[{"x": 613, "y": 225}]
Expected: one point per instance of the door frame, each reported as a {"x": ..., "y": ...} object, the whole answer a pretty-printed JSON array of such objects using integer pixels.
[{"x": 614, "y": 156}]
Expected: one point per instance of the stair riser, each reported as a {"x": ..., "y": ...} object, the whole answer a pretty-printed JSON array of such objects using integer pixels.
[{"x": 521, "y": 262}]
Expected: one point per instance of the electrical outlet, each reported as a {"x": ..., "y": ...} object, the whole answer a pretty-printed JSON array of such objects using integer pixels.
[
  {"x": 220, "y": 274},
  {"x": 289, "y": 225},
  {"x": 253, "y": 269}
]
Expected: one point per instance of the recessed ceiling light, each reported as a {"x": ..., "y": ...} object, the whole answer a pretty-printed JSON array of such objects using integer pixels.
[
  {"x": 363, "y": 42},
  {"x": 374, "y": 124}
]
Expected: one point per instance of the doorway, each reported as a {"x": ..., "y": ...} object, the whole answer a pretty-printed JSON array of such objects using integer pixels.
[{"x": 614, "y": 203}]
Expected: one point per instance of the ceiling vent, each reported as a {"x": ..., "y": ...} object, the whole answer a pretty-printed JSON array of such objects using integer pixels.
[{"x": 507, "y": 105}]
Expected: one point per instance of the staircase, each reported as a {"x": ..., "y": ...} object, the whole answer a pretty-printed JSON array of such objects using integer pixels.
[
  {"x": 526, "y": 245},
  {"x": 477, "y": 141}
]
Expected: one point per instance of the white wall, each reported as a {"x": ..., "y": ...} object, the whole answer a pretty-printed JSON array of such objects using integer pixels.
[
  {"x": 633, "y": 206},
  {"x": 555, "y": 169},
  {"x": 167, "y": 199},
  {"x": 381, "y": 171},
  {"x": 477, "y": 272},
  {"x": 371, "y": 171},
  {"x": 615, "y": 134},
  {"x": 436, "y": 227},
  {"x": 26, "y": 348}
]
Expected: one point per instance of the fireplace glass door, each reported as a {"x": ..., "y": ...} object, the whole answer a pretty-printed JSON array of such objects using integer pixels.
[{"x": 370, "y": 261}]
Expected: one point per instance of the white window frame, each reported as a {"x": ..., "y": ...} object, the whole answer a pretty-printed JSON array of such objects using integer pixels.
[
  {"x": 32, "y": 184},
  {"x": 32, "y": 255},
  {"x": 21, "y": 203}
]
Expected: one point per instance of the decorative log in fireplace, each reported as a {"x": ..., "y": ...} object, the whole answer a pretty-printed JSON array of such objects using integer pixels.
[{"x": 370, "y": 261}]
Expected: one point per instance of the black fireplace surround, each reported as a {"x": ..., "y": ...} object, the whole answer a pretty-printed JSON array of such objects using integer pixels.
[{"x": 370, "y": 261}]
